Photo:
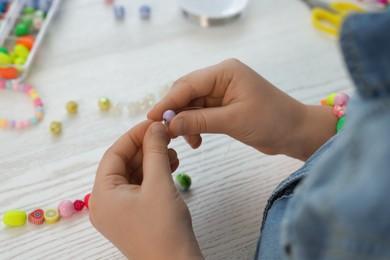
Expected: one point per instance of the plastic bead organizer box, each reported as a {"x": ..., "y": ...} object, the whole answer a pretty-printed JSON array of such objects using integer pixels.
[{"x": 23, "y": 24}]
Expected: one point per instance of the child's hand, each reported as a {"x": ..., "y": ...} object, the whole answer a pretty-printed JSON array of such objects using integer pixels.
[
  {"x": 236, "y": 101},
  {"x": 134, "y": 202}
]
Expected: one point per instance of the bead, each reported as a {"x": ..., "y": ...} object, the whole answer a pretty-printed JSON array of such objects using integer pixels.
[
  {"x": 8, "y": 73},
  {"x": 21, "y": 51},
  {"x": 340, "y": 123},
  {"x": 168, "y": 115},
  {"x": 27, "y": 20},
  {"x": 39, "y": 14},
  {"x": 19, "y": 61},
  {"x": 142, "y": 104},
  {"x": 150, "y": 100},
  {"x": 329, "y": 101},
  {"x": 119, "y": 12},
  {"x": 14, "y": 218},
  {"x": 5, "y": 59},
  {"x": 339, "y": 111},
  {"x": 183, "y": 181},
  {"x": 133, "y": 108},
  {"x": 4, "y": 50},
  {"x": 117, "y": 107},
  {"x": 341, "y": 99},
  {"x": 37, "y": 23},
  {"x": 86, "y": 200},
  {"x": 21, "y": 29},
  {"x": 55, "y": 126},
  {"x": 28, "y": 10},
  {"x": 78, "y": 205},
  {"x": 109, "y": 2},
  {"x": 144, "y": 12},
  {"x": 51, "y": 216},
  {"x": 104, "y": 103},
  {"x": 66, "y": 208},
  {"x": 27, "y": 41},
  {"x": 72, "y": 107},
  {"x": 36, "y": 217}
]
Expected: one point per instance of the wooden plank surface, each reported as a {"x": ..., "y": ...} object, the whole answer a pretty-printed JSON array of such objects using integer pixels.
[{"x": 87, "y": 54}]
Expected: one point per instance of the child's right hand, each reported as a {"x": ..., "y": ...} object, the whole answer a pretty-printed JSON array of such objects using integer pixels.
[{"x": 237, "y": 101}]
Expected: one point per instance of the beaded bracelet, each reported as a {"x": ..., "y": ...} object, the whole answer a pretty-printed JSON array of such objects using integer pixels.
[
  {"x": 29, "y": 90},
  {"x": 338, "y": 102}
]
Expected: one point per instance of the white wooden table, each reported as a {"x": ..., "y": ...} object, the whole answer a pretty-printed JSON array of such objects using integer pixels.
[{"x": 87, "y": 54}]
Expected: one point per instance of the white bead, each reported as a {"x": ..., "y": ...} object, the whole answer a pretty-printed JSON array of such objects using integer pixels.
[
  {"x": 133, "y": 109},
  {"x": 150, "y": 100},
  {"x": 143, "y": 104},
  {"x": 117, "y": 108}
]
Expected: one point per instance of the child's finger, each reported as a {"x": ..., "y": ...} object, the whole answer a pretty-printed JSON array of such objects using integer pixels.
[
  {"x": 156, "y": 163},
  {"x": 112, "y": 168},
  {"x": 195, "y": 122},
  {"x": 200, "y": 83}
]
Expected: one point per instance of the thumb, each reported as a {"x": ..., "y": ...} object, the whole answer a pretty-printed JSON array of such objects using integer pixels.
[
  {"x": 205, "y": 120},
  {"x": 156, "y": 165}
]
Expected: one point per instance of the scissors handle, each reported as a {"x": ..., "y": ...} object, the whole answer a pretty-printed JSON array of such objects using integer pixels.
[{"x": 330, "y": 21}]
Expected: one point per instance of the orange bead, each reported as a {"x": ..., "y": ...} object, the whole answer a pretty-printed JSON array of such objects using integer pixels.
[
  {"x": 27, "y": 41},
  {"x": 8, "y": 73}
]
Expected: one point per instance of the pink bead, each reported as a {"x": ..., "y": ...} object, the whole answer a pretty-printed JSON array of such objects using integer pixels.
[
  {"x": 15, "y": 86},
  {"x": 2, "y": 84},
  {"x": 27, "y": 88},
  {"x": 18, "y": 124},
  {"x": 341, "y": 99},
  {"x": 66, "y": 208},
  {"x": 38, "y": 102},
  {"x": 339, "y": 111},
  {"x": 25, "y": 123}
]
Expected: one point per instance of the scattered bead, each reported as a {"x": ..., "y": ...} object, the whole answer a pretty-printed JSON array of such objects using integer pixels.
[
  {"x": 86, "y": 200},
  {"x": 36, "y": 217},
  {"x": 144, "y": 12},
  {"x": 133, "y": 108},
  {"x": 78, "y": 205},
  {"x": 183, "y": 181},
  {"x": 66, "y": 208},
  {"x": 119, "y": 12},
  {"x": 56, "y": 127},
  {"x": 14, "y": 218},
  {"x": 104, "y": 104},
  {"x": 72, "y": 107},
  {"x": 51, "y": 216},
  {"x": 168, "y": 115}
]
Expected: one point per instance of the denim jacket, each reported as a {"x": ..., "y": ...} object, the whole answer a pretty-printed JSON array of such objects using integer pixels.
[{"x": 337, "y": 206}]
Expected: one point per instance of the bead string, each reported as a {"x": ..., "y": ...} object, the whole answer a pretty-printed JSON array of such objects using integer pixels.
[
  {"x": 38, "y": 105},
  {"x": 339, "y": 103}
]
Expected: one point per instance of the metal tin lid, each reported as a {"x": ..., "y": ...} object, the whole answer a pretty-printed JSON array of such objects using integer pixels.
[{"x": 208, "y": 13}]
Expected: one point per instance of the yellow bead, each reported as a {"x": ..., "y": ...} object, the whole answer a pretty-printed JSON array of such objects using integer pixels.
[
  {"x": 5, "y": 59},
  {"x": 72, "y": 107},
  {"x": 56, "y": 127},
  {"x": 21, "y": 51},
  {"x": 330, "y": 99},
  {"x": 14, "y": 218},
  {"x": 51, "y": 216},
  {"x": 104, "y": 103}
]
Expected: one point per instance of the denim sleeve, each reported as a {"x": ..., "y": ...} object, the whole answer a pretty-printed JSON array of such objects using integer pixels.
[{"x": 341, "y": 210}]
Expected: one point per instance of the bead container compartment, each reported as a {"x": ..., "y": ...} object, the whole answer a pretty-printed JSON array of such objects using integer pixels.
[{"x": 23, "y": 26}]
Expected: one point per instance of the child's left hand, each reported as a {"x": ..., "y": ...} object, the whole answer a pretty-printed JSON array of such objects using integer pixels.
[{"x": 134, "y": 202}]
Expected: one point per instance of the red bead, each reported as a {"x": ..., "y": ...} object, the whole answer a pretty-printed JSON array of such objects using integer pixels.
[
  {"x": 36, "y": 217},
  {"x": 78, "y": 205},
  {"x": 86, "y": 199}
]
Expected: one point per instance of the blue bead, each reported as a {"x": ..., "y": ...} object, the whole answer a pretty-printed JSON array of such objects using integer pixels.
[
  {"x": 34, "y": 120},
  {"x": 119, "y": 12},
  {"x": 144, "y": 12},
  {"x": 8, "y": 84}
]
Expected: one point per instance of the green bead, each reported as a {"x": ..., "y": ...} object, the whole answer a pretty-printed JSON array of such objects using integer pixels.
[
  {"x": 27, "y": 20},
  {"x": 4, "y": 50},
  {"x": 14, "y": 218},
  {"x": 28, "y": 10},
  {"x": 21, "y": 29},
  {"x": 183, "y": 181},
  {"x": 341, "y": 123}
]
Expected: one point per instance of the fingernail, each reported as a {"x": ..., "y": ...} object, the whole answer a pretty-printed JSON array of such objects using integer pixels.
[{"x": 158, "y": 128}]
